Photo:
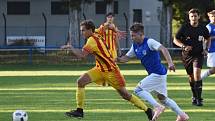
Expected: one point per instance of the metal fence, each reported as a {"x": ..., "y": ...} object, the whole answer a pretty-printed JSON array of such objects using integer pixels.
[{"x": 49, "y": 55}]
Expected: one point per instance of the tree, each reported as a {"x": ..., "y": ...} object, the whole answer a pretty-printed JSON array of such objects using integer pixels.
[
  {"x": 166, "y": 23},
  {"x": 176, "y": 10},
  {"x": 74, "y": 7},
  {"x": 109, "y": 5}
]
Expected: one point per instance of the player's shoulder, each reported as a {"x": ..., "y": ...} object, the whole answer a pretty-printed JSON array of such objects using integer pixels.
[
  {"x": 91, "y": 39},
  {"x": 210, "y": 25},
  {"x": 185, "y": 26},
  {"x": 151, "y": 40}
]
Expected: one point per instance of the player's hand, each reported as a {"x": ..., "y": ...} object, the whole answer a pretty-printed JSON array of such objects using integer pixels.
[
  {"x": 121, "y": 34},
  {"x": 109, "y": 25},
  {"x": 205, "y": 53},
  {"x": 66, "y": 47},
  {"x": 171, "y": 67},
  {"x": 188, "y": 48},
  {"x": 119, "y": 53}
]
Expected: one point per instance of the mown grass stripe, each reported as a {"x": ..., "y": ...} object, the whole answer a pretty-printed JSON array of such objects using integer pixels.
[
  {"x": 92, "y": 88},
  {"x": 112, "y": 110}
]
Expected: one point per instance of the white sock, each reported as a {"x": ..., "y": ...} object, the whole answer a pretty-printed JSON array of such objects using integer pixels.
[
  {"x": 172, "y": 104},
  {"x": 148, "y": 97},
  {"x": 205, "y": 74}
]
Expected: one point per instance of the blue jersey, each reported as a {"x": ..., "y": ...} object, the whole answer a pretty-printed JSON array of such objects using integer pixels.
[
  {"x": 149, "y": 56},
  {"x": 211, "y": 28}
]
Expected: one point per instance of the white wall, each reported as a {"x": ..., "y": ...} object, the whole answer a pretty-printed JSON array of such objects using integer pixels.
[
  {"x": 149, "y": 14},
  {"x": 33, "y": 24}
]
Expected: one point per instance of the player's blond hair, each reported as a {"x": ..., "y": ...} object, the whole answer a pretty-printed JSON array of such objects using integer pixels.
[{"x": 211, "y": 12}]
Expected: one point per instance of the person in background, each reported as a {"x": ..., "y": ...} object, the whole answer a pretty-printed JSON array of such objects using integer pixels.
[
  {"x": 190, "y": 37},
  {"x": 109, "y": 31},
  {"x": 211, "y": 49}
]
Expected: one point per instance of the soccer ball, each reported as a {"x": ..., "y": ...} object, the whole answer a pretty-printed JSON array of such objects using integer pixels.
[{"x": 20, "y": 115}]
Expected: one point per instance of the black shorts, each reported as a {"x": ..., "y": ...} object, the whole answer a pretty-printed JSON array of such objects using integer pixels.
[{"x": 190, "y": 62}]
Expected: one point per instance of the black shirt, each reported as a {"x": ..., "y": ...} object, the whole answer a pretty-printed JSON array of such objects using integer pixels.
[{"x": 193, "y": 36}]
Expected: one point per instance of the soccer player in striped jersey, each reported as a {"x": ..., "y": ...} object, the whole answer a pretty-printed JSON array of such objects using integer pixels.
[
  {"x": 108, "y": 31},
  {"x": 211, "y": 49},
  {"x": 147, "y": 51},
  {"x": 105, "y": 70}
]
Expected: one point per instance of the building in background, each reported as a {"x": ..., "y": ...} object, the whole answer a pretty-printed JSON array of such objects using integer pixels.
[{"x": 27, "y": 18}]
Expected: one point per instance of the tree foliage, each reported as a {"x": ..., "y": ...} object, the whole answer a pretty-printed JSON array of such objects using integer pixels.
[{"x": 180, "y": 8}]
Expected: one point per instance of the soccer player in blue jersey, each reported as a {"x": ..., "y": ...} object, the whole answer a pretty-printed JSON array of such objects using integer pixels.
[
  {"x": 147, "y": 51},
  {"x": 211, "y": 50}
]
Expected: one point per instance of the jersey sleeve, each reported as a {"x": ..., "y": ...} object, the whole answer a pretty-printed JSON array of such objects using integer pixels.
[
  {"x": 153, "y": 44},
  {"x": 209, "y": 28},
  {"x": 179, "y": 34},
  {"x": 206, "y": 33},
  {"x": 131, "y": 52},
  {"x": 100, "y": 30},
  {"x": 90, "y": 45}
]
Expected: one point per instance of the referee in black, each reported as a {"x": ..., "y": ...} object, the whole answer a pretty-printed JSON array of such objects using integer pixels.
[{"x": 191, "y": 37}]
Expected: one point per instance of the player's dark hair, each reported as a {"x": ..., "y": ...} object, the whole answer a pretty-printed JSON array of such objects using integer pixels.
[
  {"x": 110, "y": 13},
  {"x": 88, "y": 24},
  {"x": 194, "y": 10},
  {"x": 137, "y": 27}
]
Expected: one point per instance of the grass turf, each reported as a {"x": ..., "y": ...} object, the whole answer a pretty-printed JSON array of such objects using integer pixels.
[{"x": 46, "y": 92}]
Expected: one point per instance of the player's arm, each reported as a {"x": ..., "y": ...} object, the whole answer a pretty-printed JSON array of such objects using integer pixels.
[
  {"x": 212, "y": 37},
  {"x": 207, "y": 43},
  {"x": 177, "y": 41},
  {"x": 181, "y": 45},
  {"x": 119, "y": 52},
  {"x": 154, "y": 45},
  {"x": 77, "y": 52},
  {"x": 122, "y": 59},
  {"x": 167, "y": 56},
  {"x": 127, "y": 56},
  {"x": 207, "y": 38}
]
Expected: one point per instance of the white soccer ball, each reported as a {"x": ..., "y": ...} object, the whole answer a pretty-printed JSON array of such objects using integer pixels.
[{"x": 20, "y": 115}]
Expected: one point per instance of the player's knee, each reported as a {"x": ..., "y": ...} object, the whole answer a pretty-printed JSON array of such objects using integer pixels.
[
  {"x": 212, "y": 71},
  {"x": 161, "y": 97},
  {"x": 81, "y": 83},
  {"x": 126, "y": 96},
  {"x": 137, "y": 90},
  {"x": 191, "y": 77}
]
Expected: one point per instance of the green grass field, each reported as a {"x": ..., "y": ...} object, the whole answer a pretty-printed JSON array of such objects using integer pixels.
[{"x": 46, "y": 92}]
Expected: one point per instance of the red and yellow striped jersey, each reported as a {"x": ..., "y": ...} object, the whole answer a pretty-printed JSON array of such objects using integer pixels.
[
  {"x": 104, "y": 60},
  {"x": 110, "y": 36}
]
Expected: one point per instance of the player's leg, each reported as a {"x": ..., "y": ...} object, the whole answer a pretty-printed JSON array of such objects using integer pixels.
[
  {"x": 136, "y": 102},
  {"x": 117, "y": 81},
  {"x": 212, "y": 70},
  {"x": 192, "y": 84},
  {"x": 197, "y": 65},
  {"x": 211, "y": 64},
  {"x": 173, "y": 106},
  {"x": 83, "y": 80},
  {"x": 145, "y": 86},
  {"x": 80, "y": 96},
  {"x": 188, "y": 64},
  {"x": 208, "y": 72}
]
